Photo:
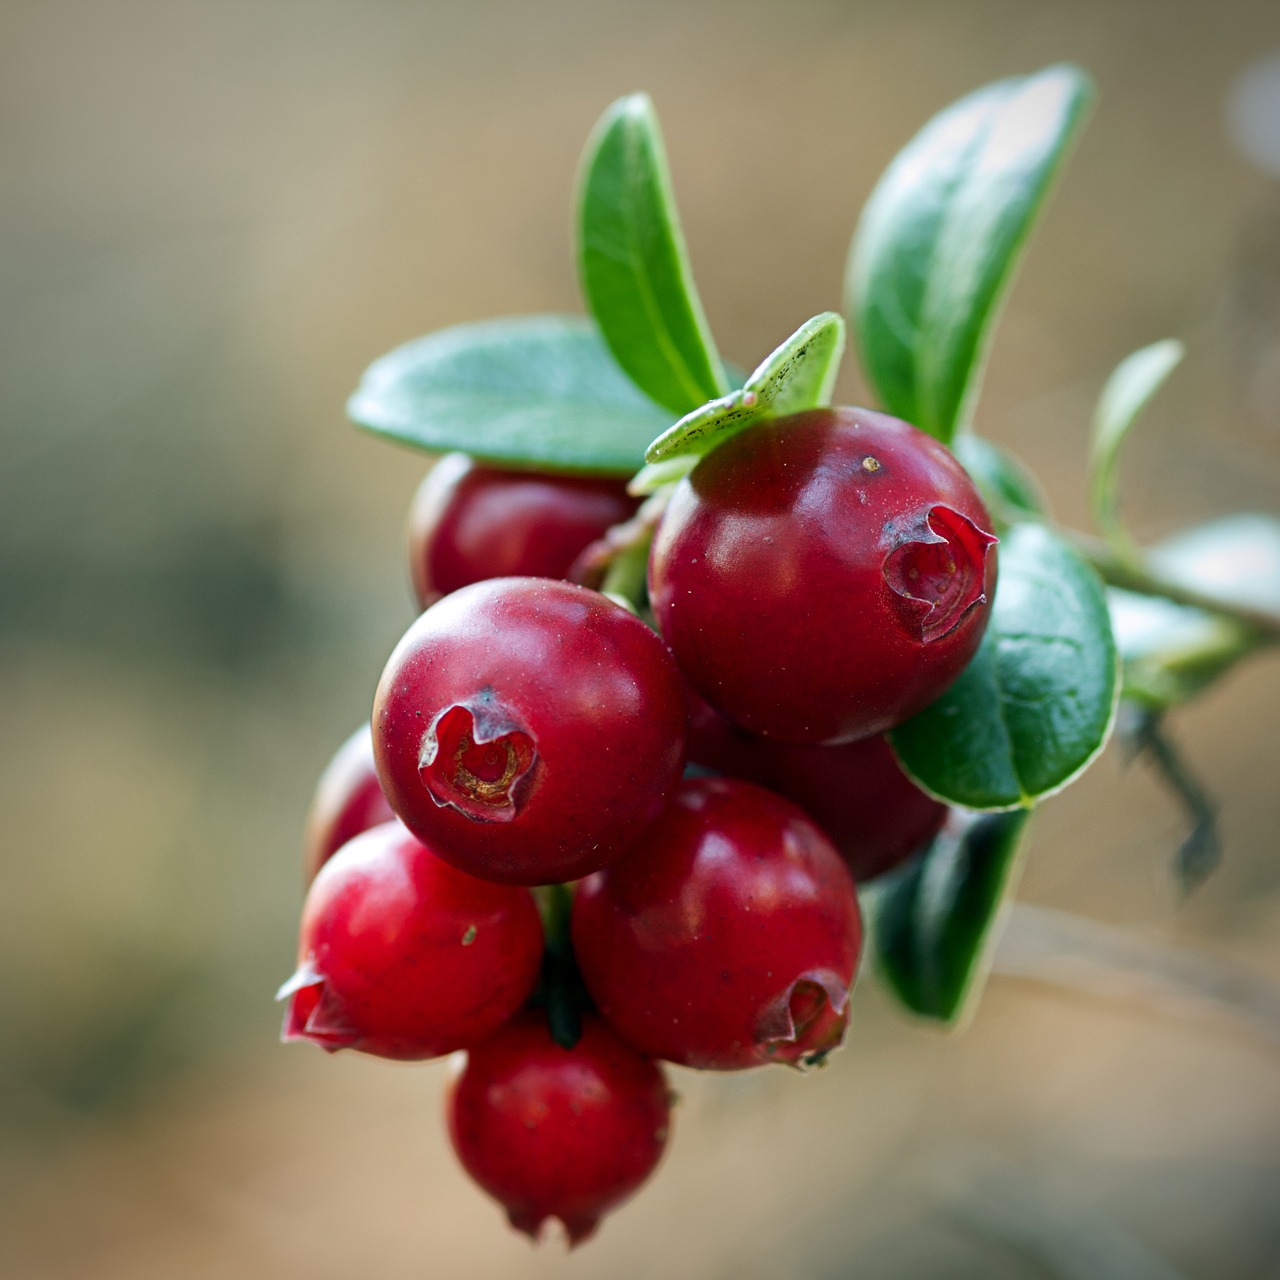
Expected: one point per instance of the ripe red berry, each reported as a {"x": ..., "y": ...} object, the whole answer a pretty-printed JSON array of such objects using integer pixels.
[
  {"x": 469, "y": 523},
  {"x": 528, "y": 730},
  {"x": 558, "y": 1133},
  {"x": 856, "y": 792},
  {"x": 728, "y": 937},
  {"x": 348, "y": 800},
  {"x": 403, "y": 956},
  {"x": 823, "y": 577}
]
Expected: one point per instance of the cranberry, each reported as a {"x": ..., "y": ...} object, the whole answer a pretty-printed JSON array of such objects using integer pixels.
[
  {"x": 470, "y": 522},
  {"x": 856, "y": 792},
  {"x": 348, "y": 800},
  {"x": 528, "y": 730},
  {"x": 728, "y": 937},
  {"x": 823, "y": 577},
  {"x": 558, "y": 1133},
  {"x": 403, "y": 956}
]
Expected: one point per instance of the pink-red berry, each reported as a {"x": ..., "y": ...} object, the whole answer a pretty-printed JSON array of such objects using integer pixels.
[
  {"x": 728, "y": 937},
  {"x": 558, "y": 1133},
  {"x": 470, "y": 522},
  {"x": 529, "y": 730},
  {"x": 403, "y": 956},
  {"x": 823, "y": 577},
  {"x": 856, "y": 792},
  {"x": 348, "y": 800}
]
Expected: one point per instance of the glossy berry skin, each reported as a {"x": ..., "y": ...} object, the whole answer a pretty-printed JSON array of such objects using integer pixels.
[
  {"x": 470, "y": 522},
  {"x": 529, "y": 730},
  {"x": 856, "y": 792},
  {"x": 558, "y": 1133},
  {"x": 348, "y": 800},
  {"x": 823, "y": 577},
  {"x": 729, "y": 936},
  {"x": 403, "y": 956}
]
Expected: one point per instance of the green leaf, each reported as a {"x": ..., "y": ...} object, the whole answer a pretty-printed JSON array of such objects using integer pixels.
[
  {"x": 1007, "y": 487},
  {"x": 1037, "y": 702},
  {"x": 798, "y": 375},
  {"x": 937, "y": 242},
  {"x": 1170, "y": 652},
  {"x": 932, "y": 922},
  {"x": 540, "y": 392},
  {"x": 1235, "y": 560},
  {"x": 633, "y": 264},
  {"x": 1135, "y": 380}
]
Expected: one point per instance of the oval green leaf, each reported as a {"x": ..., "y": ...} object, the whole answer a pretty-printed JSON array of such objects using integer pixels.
[
  {"x": 939, "y": 238},
  {"x": 633, "y": 264},
  {"x": 1007, "y": 487},
  {"x": 1135, "y": 380},
  {"x": 1235, "y": 559},
  {"x": 800, "y": 374},
  {"x": 1170, "y": 652},
  {"x": 932, "y": 922},
  {"x": 1036, "y": 704},
  {"x": 541, "y": 392}
]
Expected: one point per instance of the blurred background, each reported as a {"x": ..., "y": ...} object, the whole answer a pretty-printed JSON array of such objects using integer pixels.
[{"x": 213, "y": 217}]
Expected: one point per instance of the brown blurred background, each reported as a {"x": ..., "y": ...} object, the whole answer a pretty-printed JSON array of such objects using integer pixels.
[{"x": 213, "y": 217}]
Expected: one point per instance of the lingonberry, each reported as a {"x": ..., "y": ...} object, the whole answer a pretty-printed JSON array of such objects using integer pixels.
[
  {"x": 856, "y": 792},
  {"x": 348, "y": 800},
  {"x": 403, "y": 956},
  {"x": 558, "y": 1133},
  {"x": 469, "y": 522},
  {"x": 728, "y": 937},
  {"x": 822, "y": 577},
  {"x": 528, "y": 729}
]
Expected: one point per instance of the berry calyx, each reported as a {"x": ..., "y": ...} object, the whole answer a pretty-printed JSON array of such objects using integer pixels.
[
  {"x": 728, "y": 937},
  {"x": 558, "y": 1133},
  {"x": 822, "y": 577},
  {"x": 856, "y": 792},
  {"x": 470, "y": 522},
  {"x": 528, "y": 730},
  {"x": 403, "y": 956},
  {"x": 347, "y": 801}
]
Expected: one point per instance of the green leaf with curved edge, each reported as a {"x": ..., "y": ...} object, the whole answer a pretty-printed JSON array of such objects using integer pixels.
[
  {"x": 633, "y": 264},
  {"x": 1136, "y": 379},
  {"x": 938, "y": 240},
  {"x": 800, "y": 374},
  {"x": 1235, "y": 559},
  {"x": 1036, "y": 704},
  {"x": 932, "y": 922},
  {"x": 1009, "y": 490},
  {"x": 539, "y": 392},
  {"x": 1169, "y": 652}
]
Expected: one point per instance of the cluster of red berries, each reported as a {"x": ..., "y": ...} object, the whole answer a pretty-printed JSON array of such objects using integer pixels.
[{"x": 814, "y": 581}]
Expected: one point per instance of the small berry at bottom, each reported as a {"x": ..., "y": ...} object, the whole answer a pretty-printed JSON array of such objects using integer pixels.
[{"x": 558, "y": 1133}]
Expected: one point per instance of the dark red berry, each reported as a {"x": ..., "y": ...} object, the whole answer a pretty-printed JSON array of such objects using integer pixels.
[
  {"x": 823, "y": 577},
  {"x": 469, "y": 523},
  {"x": 856, "y": 792},
  {"x": 528, "y": 730},
  {"x": 403, "y": 956},
  {"x": 728, "y": 937},
  {"x": 558, "y": 1133},
  {"x": 348, "y": 800}
]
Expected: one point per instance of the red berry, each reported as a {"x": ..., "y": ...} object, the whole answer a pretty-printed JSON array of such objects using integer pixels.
[
  {"x": 403, "y": 956},
  {"x": 823, "y": 577},
  {"x": 558, "y": 1133},
  {"x": 728, "y": 937},
  {"x": 348, "y": 800},
  {"x": 469, "y": 523},
  {"x": 528, "y": 730},
  {"x": 856, "y": 792}
]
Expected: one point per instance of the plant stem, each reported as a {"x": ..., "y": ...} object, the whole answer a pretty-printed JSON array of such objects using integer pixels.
[{"x": 1136, "y": 574}]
